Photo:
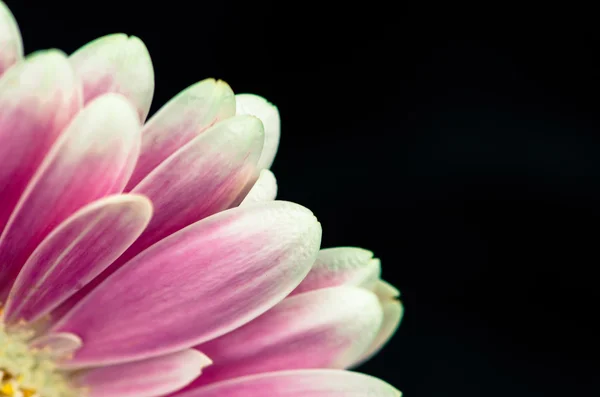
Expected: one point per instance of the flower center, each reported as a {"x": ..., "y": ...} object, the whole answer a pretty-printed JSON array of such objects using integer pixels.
[{"x": 27, "y": 371}]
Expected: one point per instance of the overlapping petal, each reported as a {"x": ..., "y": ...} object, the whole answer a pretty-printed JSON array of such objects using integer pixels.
[
  {"x": 182, "y": 119},
  {"x": 197, "y": 284},
  {"x": 116, "y": 64},
  {"x": 392, "y": 316},
  {"x": 342, "y": 266},
  {"x": 326, "y": 328},
  {"x": 92, "y": 159},
  {"x": 258, "y": 106},
  {"x": 76, "y": 252},
  {"x": 147, "y": 378},
  {"x": 264, "y": 189},
  {"x": 38, "y": 97},
  {"x": 302, "y": 383}
]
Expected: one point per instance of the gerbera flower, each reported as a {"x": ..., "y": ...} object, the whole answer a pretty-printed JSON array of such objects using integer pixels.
[{"x": 134, "y": 255}]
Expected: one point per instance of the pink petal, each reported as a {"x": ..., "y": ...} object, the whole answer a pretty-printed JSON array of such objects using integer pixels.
[
  {"x": 264, "y": 189},
  {"x": 183, "y": 118},
  {"x": 257, "y": 106},
  {"x": 76, "y": 252},
  {"x": 299, "y": 383},
  {"x": 200, "y": 179},
  {"x": 342, "y": 266},
  {"x": 61, "y": 345},
  {"x": 149, "y": 378},
  {"x": 93, "y": 158},
  {"x": 197, "y": 284},
  {"x": 327, "y": 328},
  {"x": 116, "y": 63},
  {"x": 38, "y": 97},
  {"x": 11, "y": 45}
]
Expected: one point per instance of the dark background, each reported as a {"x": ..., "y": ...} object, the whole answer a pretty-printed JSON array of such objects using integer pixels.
[{"x": 465, "y": 155}]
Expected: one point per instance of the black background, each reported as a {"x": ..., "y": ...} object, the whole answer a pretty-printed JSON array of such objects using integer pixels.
[{"x": 464, "y": 150}]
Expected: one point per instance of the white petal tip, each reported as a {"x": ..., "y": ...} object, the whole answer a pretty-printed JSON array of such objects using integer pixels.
[
  {"x": 46, "y": 70},
  {"x": 269, "y": 114},
  {"x": 127, "y": 63},
  {"x": 11, "y": 44}
]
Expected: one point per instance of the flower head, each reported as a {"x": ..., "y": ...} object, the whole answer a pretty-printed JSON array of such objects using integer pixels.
[{"x": 135, "y": 255}]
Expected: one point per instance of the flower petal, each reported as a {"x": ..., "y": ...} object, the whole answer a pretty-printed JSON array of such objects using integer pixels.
[
  {"x": 93, "y": 158},
  {"x": 61, "y": 345},
  {"x": 148, "y": 378},
  {"x": 200, "y": 179},
  {"x": 116, "y": 63},
  {"x": 269, "y": 115},
  {"x": 197, "y": 284},
  {"x": 11, "y": 45},
  {"x": 76, "y": 252},
  {"x": 183, "y": 118},
  {"x": 38, "y": 97},
  {"x": 342, "y": 266},
  {"x": 299, "y": 383},
  {"x": 264, "y": 189},
  {"x": 327, "y": 328},
  {"x": 392, "y": 316}
]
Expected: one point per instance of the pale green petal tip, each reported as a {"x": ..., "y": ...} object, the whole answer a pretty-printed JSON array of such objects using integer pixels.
[
  {"x": 128, "y": 58},
  {"x": 12, "y": 28},
  {"x": 47, "y": 69}
]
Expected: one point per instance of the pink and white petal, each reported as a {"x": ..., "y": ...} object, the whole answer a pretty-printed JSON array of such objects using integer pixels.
[
  {"x": 298, "y": 383},
  {"x": 200, "y": 179},
  {"x": 392, "y": 316},
  {"x": 327, "y": 328},
  {"x": 201, "y": 282},
  {"x": 92, "y": 159},
  {"x": 38, "y": 97},
  {"x": 60, "y": 346},
  {"x": 204, "y": 177},
  {"x": 264, "y": 189},
  {"x": 258, "y": 106},
  {"x": 148, "y": 378},
  {"x": 116, "y": 63},
  {"x": 182, "y": 119},
  {"x": 342, "y": 266},
  {"x": 11, "y": 44},
  {"x": 76, "y": 252}
]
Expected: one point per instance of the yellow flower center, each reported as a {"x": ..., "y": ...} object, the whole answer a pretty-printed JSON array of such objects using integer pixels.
[{"x": 27, "y": 371}]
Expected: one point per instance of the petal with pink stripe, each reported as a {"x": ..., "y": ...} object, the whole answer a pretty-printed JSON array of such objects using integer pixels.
[
  {"x": 326, "y": 328},
  {"x": 200, "y": 179},
  {"x": 38, "y": 97},
  {"x": 11, "y": 45},
  {"x": 148, "y": 378},
  {"x": 183, "y": 118},
  {"x": 76, "y": 252},
  {"x": 299, "y": 383},
  {"x": 92, "y": 159},
  {"x": 116, "y": 63},
  {"x": 197, "y": 284}
]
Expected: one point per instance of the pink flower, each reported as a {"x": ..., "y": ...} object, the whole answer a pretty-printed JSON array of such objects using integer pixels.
[{"x": 134, "y": 255}]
